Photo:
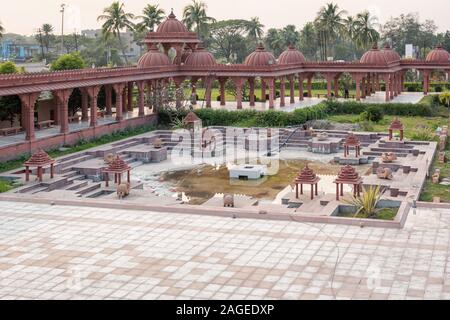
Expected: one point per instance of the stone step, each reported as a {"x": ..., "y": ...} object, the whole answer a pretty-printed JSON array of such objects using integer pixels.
[
  {"x": 40, "y": 189},
  {"x": 89, "y": 188},
  {"x": 76, "y": 185}
]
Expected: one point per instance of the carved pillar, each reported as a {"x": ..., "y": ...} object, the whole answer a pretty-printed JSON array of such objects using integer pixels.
[
  {"x": 141, "y": 88},
  {"x": 84, "y": 105},
  {"x": 119, "y": 89},
  {"x": 271, "y": 84},
  {"x": 310, "y": 86},
  {"x": 208, "y": 92},
  {"x": 336, "y": 87},
  {"x": 357, "y": 78},
  {"x": 426, "y": 79},
  {"x": 222, "y": 82},
  {"x": 251, "y": 82},
  {"x": 28, "y": 102},
  {"x": 93, "y": 95},
  {"x": 130, "y": 96},
  {"x": 387, "y": 83},
  {"x": 178, "y": 90},
  {"x": 63, "y": 104},
  {"x": 124, "y": 100},
  {"x": 329, "y": 78},
  {"x": 292, "y": 89},
  {"x": 239, "y": 82},
  {"x": 108, "y": 98},
  {"x": 263, "y": 90},
  {"x": 363, "y": 87},
  {"x": 282, "y": 92},
  {"x": 301, "y": 78}
]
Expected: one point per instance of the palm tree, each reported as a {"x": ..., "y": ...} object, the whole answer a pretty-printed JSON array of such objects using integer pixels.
[
  {"x": 290, "y": 35},
  {"x": 153, "y": 16},
  {"x": 254, "y": 28},
  {"x": 1, "y": 30},
  {"x": 116, "y": 19},
  {"x": 47, "y": 29},
  {"x": 350, "y": 32},
  {"x": 195, "y": 15},
  {"x": 275, "y": 41},
  {"x": 365, "y": 32},
  {"x": 330, "y": 23}
]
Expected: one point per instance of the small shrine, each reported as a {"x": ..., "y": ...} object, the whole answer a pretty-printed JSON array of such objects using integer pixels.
[
  {"x": 192, "y": 121},
  {"x": 348, "y": 175},
  {"x": 117, "y": 167},
  {"x": 396, "y": 125},
  {"x": 306, "y": 176},
  {"x": 352, "y": 141},
  {"x": 39, "y": 160}
]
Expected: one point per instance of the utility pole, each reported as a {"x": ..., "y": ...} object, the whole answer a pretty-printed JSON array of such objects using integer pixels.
[{"x": 63, "y": 8}]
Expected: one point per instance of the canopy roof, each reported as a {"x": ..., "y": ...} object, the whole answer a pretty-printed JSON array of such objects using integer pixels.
[
  {"x": 39, "y": 159},
  {"x": 117, "y": 166},
  {"x": 352, "y": 140},
  {"x": 306, "y": 176},
  {"x": 348, "y": 175},
  {"x": 396, "y": 125}
]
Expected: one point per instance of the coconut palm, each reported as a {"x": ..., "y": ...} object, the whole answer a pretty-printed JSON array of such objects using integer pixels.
[
  {"x": 254, "y": 28},
  {"x": 330, "y": 23},
  {"x": 1, "y": 30},
  {"x": 47, "y": 30},
  {"x": 365, "y": 32},
  {"x": 195, "y": 16},
  {"x": 116, "y": 19},
  {"x": 153, "y": 15}
]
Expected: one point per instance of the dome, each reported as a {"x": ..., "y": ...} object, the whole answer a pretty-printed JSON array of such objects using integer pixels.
[
  {"x": 438, "y": 54},
  {"x": 200, "y": 57},
  {"x": 172, "y": 25},
  {"x": 374, "y": 56},
  {"x": 291, "y": 56},
  {"x": 260, "y": 57},
  {"x": 153, "y": 58},
  {"x": 391, "y": 55}
]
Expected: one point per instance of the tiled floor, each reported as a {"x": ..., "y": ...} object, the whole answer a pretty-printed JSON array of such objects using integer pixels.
[{"x": 51, "y": 252}]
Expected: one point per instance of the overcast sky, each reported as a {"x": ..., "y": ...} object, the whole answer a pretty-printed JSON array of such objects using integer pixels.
[{"x": 24, "y": 16}]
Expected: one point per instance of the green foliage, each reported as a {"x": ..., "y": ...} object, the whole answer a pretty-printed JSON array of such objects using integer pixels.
[
  {"x": 69, "y": 61},
  {"x": 8, "y": 67},
  {"x": 444, "y": 99},
  {"x": 372, "y": 114},
  {"x": 4, "y": 186},
  {"x": 424, "y": 134},
  {"x": 366, "y": 204},
  {"x": 398, "y": 109}
]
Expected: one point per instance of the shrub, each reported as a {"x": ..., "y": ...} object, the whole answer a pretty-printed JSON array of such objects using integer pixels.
[
  {"x": 373, "y": 114},
  {"x": 444, "y": 99},
  {"x": 438, "y": 89},
  {"x": 424, "y": 134}
]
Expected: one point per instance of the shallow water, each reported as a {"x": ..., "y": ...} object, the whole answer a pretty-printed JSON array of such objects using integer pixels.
[{"x": 202, "y": 183}]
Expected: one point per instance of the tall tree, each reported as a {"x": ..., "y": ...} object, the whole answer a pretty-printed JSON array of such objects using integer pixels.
[
  {"x": 254, "y": 28},
  {"x": 290, "y": 35},
  {"x": 275, "y": 41},
  {"x": 47, "y": 35},
  {"x": 153, "y": 15},
  {"x": 10, "y": 106},
  {"x": 196, "y": 18},
  {"x": 228, "y": 41},
  {"x": 365, "y": 32},
  {"x": 308, "y": 41},
  {"x": 116, "y": 19},
  {"x": 329, "y": 23}
]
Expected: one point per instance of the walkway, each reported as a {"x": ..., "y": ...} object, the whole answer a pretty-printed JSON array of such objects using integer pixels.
[{"x": 51, "y": 252}]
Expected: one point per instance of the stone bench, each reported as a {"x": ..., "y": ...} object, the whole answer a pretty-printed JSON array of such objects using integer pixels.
[
  {"x": 45, "y": 124},
  {"x": 10, "y": 131}
]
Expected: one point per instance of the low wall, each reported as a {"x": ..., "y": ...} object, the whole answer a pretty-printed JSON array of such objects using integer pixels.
[{"x": 50, "y": 143}]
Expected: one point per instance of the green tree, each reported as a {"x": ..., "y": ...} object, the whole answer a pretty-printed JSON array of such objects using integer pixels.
[
  {"x": 153, "y": 15},
  {"x": 329, "y": 24},
  {"x": 48, "y": 37},
  {"x": 290, "y": 35},
  {"x": 196, "y": 18},
  {"x": 254, "y": 28},
  {"x": 70, "y": 61},
  {"x": 116, "y": 19},
  {"x": 10, "y": 106},
  {"x": 228, "y": 42},
  {"x": 365, "y": 34},
  {"x": 274, "y": 41},
  {"x": 308, "y": 41},
  {"x": 2, "y": 29}
]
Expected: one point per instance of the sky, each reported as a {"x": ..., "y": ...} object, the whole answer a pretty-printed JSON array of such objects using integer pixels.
[{"x": 25, "y": 16}]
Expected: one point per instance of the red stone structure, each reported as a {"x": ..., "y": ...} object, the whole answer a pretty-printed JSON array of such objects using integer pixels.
[
  {"x": 193, "y": 63},
  {"x": 39, "y": 160},
  {"x": 396, "y": 125},
  {"x": 352, "y": 141},
  {"x": 192, "y": 121},
  {"x": 118, "y": 167},
  {"x": 307, "y": 176},
  {"x": 348, "y": 175}
]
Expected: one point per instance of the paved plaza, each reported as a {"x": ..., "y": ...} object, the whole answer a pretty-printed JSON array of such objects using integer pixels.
[{"x": 53, "y": 252}]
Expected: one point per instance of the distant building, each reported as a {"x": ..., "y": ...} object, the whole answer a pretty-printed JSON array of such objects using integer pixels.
[
  {"x": 132, "y": 48},
  {"x": 11, "y": 50}
]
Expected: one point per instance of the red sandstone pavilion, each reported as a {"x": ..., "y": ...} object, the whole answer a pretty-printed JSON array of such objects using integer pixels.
[{"x": 193, "y": 62}]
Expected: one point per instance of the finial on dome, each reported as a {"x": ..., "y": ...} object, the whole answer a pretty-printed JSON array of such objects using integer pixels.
[
  {"x": 172, "y": 15},
  {"x": 375, "y": 46}
]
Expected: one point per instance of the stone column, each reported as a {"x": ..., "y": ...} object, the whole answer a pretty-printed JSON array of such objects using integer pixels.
[
  {"x": 426, "y": 79},
  {"x": 149, "y": 94},
  {"x": 84, "y": 105},
  {"x": 363, "y": 88},
  {"x": 222, "y": 82},
  {"x": 329, "y": 84},
  {"x": 239, "y": 83},
  {"x": 208, "y": 92},
  {"x": 108, "y": 99},
  {"x": 301, "y": 78},
  {"x": 124, "y": 100},
  {"x": 336, "y": 87},
  {"x": 271, "y": 84},
  {"x": 141, "y": 88},
  {"x": 251, "y": 82},
  {"x": 357, "y": 77},
  {"x": 392, "y": 86},
  {"x": 263, "y": 90},
  {"x": 57, "y": 111},
  {"x": 291, "y": 89},
  {"x": 63, "y": 97},
  {"x": 28, "y": 102},
  {"x": 386, "y": 81},
  {"x": 93, "y": 95},
  {"x": 119, "y": 89},
  {"x": 282, "y": 92},
  {"x": 310, "y": 86},
  {"x": 130, "y": 96},
  {"x": 178, "y": 90},
  {"x": 194, "y": 90}
]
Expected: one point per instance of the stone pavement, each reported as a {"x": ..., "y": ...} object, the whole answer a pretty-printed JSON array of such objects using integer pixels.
[{"x": 51, "y": 252}]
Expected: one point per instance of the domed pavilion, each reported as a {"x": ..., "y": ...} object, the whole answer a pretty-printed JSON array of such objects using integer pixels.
[
  {"x": 348, "y": 175},
  {"x": 306, "y": 176}
]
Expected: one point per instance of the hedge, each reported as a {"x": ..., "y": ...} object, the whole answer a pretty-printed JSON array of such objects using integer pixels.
[{"x": 273, "y": 118}]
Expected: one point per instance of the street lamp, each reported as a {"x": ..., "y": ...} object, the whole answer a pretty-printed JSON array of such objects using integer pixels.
[{"x": 63, "y": 8}]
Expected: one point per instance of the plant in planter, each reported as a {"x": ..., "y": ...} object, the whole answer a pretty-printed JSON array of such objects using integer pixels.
[{"x": 366, "y": 204}]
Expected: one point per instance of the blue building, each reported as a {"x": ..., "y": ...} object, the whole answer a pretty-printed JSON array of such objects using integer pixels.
[{"x": 10, "y": 50}]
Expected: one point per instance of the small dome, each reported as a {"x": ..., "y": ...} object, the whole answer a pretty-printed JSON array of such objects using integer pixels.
[
  {"x": 153, "y": 58},
  {"x": 200, "y": 57},
  {"x": 374, "y": 56},
  {"x": 391, "y": 55},
  {"x": 172, "y": 25},
  {"x": 260, "y": 58},
  {"x": 291, "y": 56},
  {"x": 438, "y": 54}
]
